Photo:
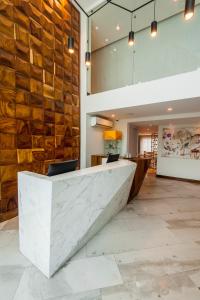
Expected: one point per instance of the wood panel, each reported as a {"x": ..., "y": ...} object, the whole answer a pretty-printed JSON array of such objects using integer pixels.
[{"x": 39, "y": 90}]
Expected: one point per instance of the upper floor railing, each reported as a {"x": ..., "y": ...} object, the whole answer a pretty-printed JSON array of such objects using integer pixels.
[{"x": 175, "y": 50}]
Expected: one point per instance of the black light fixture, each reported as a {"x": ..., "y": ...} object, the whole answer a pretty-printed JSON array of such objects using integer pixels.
[
  {"x": 131, "y": 36},
  {"x": 88, "y": 58},
  {"x": 154, "y": 24},
  {"x": 88, "y": 53},
  {"x": 71, "y": 44},
  {"x": 189, "y": 9}
]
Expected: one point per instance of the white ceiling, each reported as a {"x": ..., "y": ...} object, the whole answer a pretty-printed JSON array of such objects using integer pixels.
[
  {"x": 110, "y": 16},
  {"x": 148, "y": 128},
  {"x": 158, "y": 109},
  {"x": 155, "y": 123},
  {"x": 89, "y": 4}
]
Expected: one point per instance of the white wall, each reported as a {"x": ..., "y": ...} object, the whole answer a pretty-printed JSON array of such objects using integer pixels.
[
  {"x": 175, "y": 50},
  {"x": 178, "y": 87},
  {"x": 83, "y": 91},
  {"x": 94, "y": 141},
  {"x": 132, "y": 145},
  {"x": 177, "y": 167},
  {"x": 123, "y": 124}
]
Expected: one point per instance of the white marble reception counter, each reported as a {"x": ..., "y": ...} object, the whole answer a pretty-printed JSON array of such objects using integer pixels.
[{"x": 59, "y": 214}]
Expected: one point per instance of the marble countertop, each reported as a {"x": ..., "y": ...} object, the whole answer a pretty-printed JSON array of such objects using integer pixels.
[
  {"x": 86, "y": 171},
  {"x": 58, "y": 215}
]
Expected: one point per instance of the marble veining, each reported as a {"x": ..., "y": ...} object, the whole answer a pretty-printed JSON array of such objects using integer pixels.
[
  {"x": 168, "y": 268},
  {"x": 59, "y": 215}
]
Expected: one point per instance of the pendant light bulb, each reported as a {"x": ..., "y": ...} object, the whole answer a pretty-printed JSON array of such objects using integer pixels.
[
  {"x": 71, "y": 44},
  {"x": 88, "y": 59},
  {"x": 189, "y": 9},
  {"x": 154, "y": 28},
  {"x": 131, "y": 38}
]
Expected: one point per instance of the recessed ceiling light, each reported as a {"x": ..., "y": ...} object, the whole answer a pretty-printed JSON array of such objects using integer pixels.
[
  {"x": 97, "y": 27},
  {"x": 115, "y": 49},
  {"x": 117, "y": 27},
  {"x": 106, "y": 40},
  {"x": 170, "y": 109}
]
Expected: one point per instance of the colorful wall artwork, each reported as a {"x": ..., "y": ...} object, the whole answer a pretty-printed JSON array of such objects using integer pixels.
[{"x": 181, "y": 143}]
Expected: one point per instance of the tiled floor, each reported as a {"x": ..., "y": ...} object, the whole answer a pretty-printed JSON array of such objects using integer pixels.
[{"x": 151, "y": 250}]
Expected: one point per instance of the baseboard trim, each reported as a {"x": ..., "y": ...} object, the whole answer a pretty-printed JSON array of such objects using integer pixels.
[{"x": 179, "y": 179}]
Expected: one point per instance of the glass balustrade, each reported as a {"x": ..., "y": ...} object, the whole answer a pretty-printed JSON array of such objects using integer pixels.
[{"x": 175, "y": 50}]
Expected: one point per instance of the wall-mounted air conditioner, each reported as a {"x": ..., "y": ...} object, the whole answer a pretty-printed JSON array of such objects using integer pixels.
[{"x": 98, "y": 121}]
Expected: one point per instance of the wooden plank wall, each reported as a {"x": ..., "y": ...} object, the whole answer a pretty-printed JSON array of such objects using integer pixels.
[{"x": 39, "y": 90}]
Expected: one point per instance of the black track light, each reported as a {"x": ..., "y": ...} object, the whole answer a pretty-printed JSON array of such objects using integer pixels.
[
  {"x": 189, "y": 9},
  {"x": 71, "y": 44}
]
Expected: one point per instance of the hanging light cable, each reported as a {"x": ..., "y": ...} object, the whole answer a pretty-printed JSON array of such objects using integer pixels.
[
  {"x": 189, "y": 9},
  {"x": 154, "y": 24},
  {"x": 88, "y": 53},
  {"x": 131, "y": 36}
]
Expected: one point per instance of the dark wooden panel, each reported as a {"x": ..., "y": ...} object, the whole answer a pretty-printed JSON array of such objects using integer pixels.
[
  {"x": 22, "y": 35},
  {"x": 37, "y": 127},
  {"x": 49, "y": 78},
  {"x": 6, "y": 58},
  {"x": 36, "y": 100},
  {"x": 7, "y": 141},
  {"x": 39, "y": 90},
  {"x": 23, "y": 112},
  {"x": 36, "y": 73},
  {"x": 22, "y": 97},
  {"x": 35, "y": 29},
  {"x": 48, "y": 91},
  {"x": 36, "y": 58},
  {"x": 22, "y": 66},
  {"x": 23, "y": 127},
  {"x": 33, "y": 12},
  {"x": 8, "y": 157},
  {"x": 8, "y": 173},
  {"x": 21, "y": 18},
  {"x": 6, "y": 26},
  {"x": 24, "y": 156},
  {"x": 22, "y": 82},
  {"x": 47, "y": 24},
  {"x": 24, "y": 141},
  {"x": 7, "y": 43},
  {"x": 7, "y": 125},
  {"x": 38, "y": 142},
  {"x": 6, "y": 9},
  {"x": 38, "y": 114},
  {"x": 36, "y": 87},
  {"x": 7, "y": 77},
  {"x": 7, "y": 108}
]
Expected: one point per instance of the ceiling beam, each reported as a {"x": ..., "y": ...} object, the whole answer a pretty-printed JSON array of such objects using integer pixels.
[{"x": 112, "y": 3}]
